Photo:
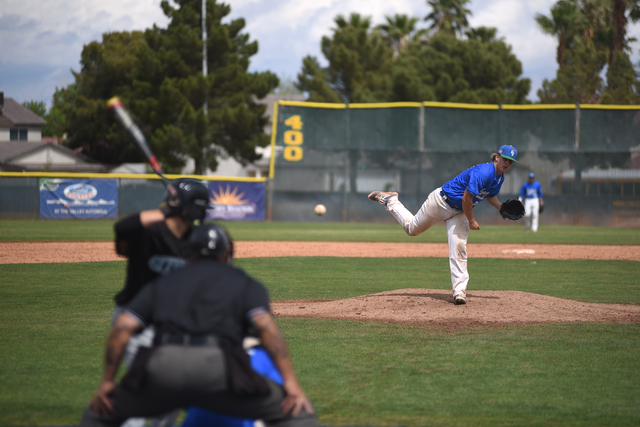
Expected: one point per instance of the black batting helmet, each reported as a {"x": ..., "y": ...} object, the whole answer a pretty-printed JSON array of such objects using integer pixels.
[
  {"x": 187, "y": 198},
  {"x": 210, "y": 241}
]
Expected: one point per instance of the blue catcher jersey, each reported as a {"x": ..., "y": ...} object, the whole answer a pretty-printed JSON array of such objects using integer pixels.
[
  {"x": 481, "y": 181},
  {"x": 531, "y": 191}
]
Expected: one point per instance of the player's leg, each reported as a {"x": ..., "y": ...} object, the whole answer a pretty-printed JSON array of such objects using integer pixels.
[
  {"x": 144, "y": 338},
  {"x": 457, "y": 234},
  {"x": 432, "y": 211},
  {"x": 528, "y": 210},
  {"x": 535, "y": 208}
]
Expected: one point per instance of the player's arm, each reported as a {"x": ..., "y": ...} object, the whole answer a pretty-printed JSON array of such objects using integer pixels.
[
  {"x": 540, "y": 194},
  {"x": 129, "y": 229},
  {"x": 124, "y": 327},
  {"x": 274, "y": 342},
  {"x": 467, "y": 208},
  {"x": 493, "y": 201}
]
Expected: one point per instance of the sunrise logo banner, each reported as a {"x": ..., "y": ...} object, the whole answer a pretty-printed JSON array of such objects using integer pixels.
[{"x": 236, "y": 201}]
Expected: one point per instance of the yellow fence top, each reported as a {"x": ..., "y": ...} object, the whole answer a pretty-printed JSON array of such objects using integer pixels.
[
  {"x": 387, "y": 105},
  {"x": 609, "y": 107},
  {"x": 539, "y": 107},
  {"x": 313, "y": 104},
  {"x": 128, "y": 175},
  {"x": 339, "y": 106}
]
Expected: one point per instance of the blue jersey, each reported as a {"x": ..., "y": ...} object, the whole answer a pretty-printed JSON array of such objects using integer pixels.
[
  {"x": 531, "y": 191},
  {"x": 481, "y": 181}
]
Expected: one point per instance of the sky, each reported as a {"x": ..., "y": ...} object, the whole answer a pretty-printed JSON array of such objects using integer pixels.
[{"x": 41, "y": 40}]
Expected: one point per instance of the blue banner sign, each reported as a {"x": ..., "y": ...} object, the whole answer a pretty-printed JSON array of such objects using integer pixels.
[
  {"x": 236, "y": 201},
  {"x": 78, "y": 198}
]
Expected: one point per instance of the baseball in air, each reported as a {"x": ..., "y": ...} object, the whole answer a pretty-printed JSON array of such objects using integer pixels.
[{"x": 320, "y": 210}]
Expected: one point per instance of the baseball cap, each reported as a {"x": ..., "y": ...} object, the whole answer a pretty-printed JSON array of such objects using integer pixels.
[
  {"x": 532, "y": 175},
  {"x": 508, "y": 152}
]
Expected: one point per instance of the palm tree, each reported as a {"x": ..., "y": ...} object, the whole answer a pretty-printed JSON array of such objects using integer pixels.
[
  {"x": 398, "y": 31},
  {"x": 449, "y": 15},
  {"x": 564, "y": 23},
  {"x": 355, "y": 20},
  {"x": 619, "y": 26}
]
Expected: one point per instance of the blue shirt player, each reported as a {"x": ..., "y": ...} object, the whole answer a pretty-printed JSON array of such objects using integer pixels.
[
  {"x": 531, "y": 197},
  {"x": 453, "y": 204}
]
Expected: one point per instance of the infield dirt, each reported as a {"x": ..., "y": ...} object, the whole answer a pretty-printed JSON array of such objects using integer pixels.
[{"x": 414, "y": 306}]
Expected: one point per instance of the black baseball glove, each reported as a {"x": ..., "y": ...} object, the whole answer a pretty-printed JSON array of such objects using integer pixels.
[
  {"x": 541, "y": 209},
  {"x": 512, "y": 209}
]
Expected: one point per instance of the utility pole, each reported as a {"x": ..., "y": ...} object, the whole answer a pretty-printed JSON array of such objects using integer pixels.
[{"x": 205, "y": 107}]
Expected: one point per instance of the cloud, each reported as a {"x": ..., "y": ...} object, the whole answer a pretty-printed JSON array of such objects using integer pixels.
[{"x": 41, "y": 40}]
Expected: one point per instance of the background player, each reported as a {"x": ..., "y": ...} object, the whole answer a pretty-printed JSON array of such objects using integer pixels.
[
  {"x": 531, "y": 196},
  {"x": 453, "y": 204}
]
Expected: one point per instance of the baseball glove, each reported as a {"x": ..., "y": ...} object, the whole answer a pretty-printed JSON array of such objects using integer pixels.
[
  {"x": 512, "y": 209},
  {"x": 541, "y": 209}
]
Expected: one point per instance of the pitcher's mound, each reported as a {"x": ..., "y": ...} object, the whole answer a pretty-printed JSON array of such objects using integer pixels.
[{"x": 434, "y": 307}]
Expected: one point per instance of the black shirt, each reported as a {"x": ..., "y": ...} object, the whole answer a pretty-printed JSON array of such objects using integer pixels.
[
  {"x": 152, "y": 251},
  {"x": 205, "y": 297}
]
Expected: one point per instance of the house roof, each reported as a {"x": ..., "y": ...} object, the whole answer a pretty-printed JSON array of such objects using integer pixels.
[
  {"x": 16, "y": 114},
  {"x": 10, "y": 151}
]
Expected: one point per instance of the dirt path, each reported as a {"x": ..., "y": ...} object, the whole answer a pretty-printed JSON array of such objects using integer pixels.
[
  {"x": 414, "y": 306},
  {"x": 43, "y": 252}
]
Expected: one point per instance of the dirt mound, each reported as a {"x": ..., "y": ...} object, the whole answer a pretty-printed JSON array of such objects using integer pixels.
[{"x": 434, "y": 307}]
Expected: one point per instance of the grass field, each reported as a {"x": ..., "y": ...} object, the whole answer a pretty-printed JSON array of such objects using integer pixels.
[
  {"x": 19, "y": 230},
  {"x": 54, "y": 319}
]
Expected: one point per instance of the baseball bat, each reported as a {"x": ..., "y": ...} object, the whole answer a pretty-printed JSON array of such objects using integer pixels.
[{"x": 136, "y": 134}]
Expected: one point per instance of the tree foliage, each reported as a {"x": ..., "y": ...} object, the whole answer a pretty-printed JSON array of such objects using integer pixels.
[
  {"x": 579, "y": 80},
  {"x": 359, "y": 61},
  {"x": 159, "y": 76},
  {"x": 589, "y": 30},
  {"x": 366, "y": 65},
  {"x": 449, "y": 16}
]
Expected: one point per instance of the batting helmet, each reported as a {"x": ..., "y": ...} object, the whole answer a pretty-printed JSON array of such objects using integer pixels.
[
  {"x": 187, "y": 198},
  {"x": 210, "y": 241}
]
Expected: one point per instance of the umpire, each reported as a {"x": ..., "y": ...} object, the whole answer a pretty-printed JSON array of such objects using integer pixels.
[{"x": 201, "y": 314}]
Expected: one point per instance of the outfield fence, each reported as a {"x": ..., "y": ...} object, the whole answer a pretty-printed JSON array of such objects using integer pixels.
[{"x": 587, "y": 158}]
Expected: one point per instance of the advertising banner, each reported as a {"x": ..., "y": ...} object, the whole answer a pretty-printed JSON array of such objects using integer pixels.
[
  {"x": 236, "y": 201},
  {"x": 65, "y": 198}
]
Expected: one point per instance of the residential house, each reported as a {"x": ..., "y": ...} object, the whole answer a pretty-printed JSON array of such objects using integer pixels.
[
  {"x": 23, "y": 149},
  {"x": 18, "y": 123}
]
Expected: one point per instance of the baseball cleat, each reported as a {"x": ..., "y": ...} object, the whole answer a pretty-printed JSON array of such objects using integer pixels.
[
  {"x": 382, "y": 197},
  {"x": 459, "y": 300}
]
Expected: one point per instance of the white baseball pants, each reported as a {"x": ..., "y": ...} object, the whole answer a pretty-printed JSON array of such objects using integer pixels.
[
  {"x": 433, "y": 211},
  {"x": 531, "y": 213}
]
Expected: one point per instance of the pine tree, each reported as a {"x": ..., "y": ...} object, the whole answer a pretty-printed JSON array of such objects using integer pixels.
[
  {"x": 159, "y": 76},
  {"x": 621, "y": 81}
]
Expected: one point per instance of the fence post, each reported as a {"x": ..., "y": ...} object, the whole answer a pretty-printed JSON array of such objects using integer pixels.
[
  {"x": 500, "y": 124},
  {"x": 420, "y": 152},
  {"x": 346, "y": 165},
  {"x": 577, "y": 169}
]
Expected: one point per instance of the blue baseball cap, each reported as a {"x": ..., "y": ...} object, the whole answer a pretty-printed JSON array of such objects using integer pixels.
[
  {"x": 508, "y": 152},
  {"x": 532, "y": 175}
]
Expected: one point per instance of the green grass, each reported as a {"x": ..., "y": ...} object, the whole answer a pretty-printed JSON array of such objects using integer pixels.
[
  {"x": 54, "y": 319},
  {"x": 372, "y": 374},
  {"x": 43, "y": 230}
]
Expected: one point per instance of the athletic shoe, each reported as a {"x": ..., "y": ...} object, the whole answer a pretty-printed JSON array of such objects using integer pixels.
[
  {"x": 382, "y": 197},
  {"x": 459, "y": 299}
]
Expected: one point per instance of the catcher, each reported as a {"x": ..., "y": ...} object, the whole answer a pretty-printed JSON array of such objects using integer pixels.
[{"x": 453, "y": 204}]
